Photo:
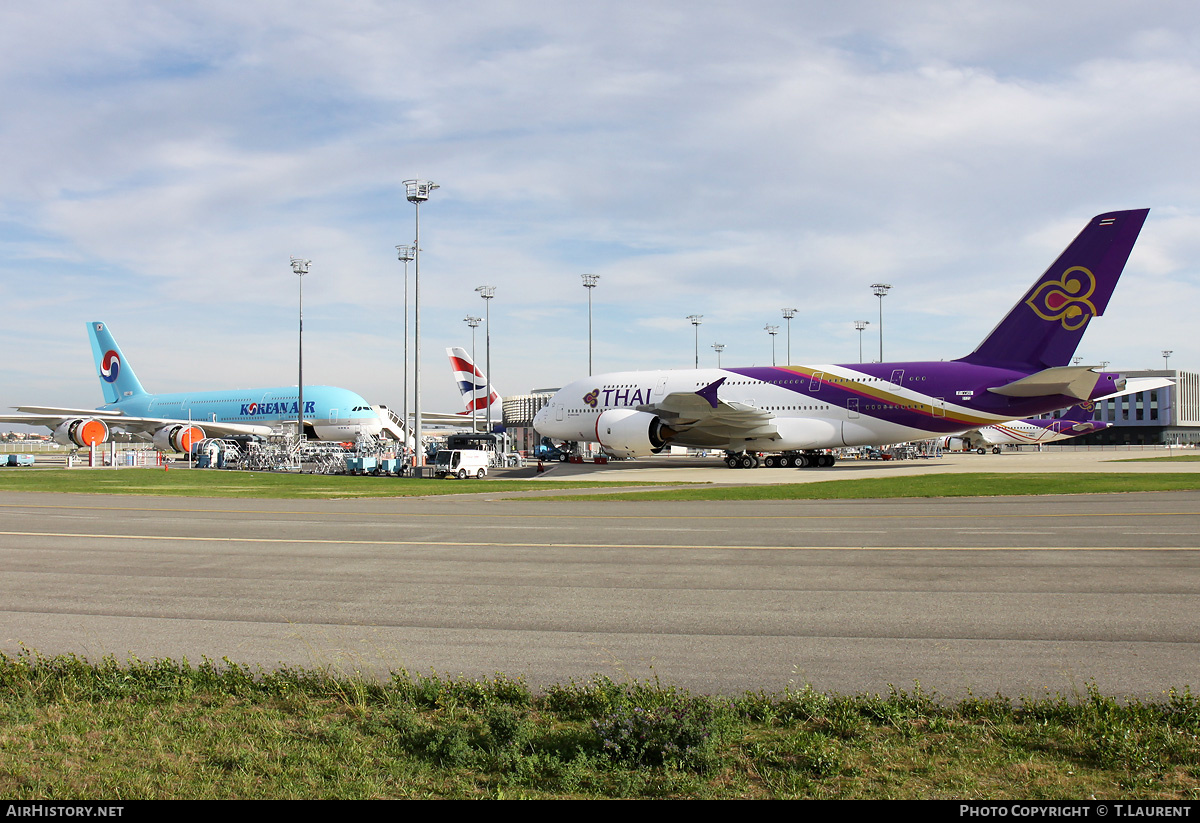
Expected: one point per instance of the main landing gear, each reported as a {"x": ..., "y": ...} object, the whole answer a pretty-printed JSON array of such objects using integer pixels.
[{"x": 788, "y": 460}]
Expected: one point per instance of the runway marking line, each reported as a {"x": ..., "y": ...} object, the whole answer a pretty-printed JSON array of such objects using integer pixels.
[{"x": 492, "y": 544}]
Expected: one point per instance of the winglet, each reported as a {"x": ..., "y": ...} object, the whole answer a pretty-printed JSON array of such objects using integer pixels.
[{"x": 709, "y": 392}]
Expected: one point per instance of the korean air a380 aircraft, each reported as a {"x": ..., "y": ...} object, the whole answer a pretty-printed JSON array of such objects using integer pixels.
[
  {"x": 1019, "y": 370},
  {"x": 176, "y": 421}
]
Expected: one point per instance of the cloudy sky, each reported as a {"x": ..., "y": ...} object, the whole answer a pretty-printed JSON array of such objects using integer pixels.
[{"x": 163, "y": 161}]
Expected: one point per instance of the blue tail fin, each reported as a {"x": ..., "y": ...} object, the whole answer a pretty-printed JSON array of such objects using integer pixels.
[
  {"x": 1044, "y": 328},
  {"x": 117, "y": 379}
]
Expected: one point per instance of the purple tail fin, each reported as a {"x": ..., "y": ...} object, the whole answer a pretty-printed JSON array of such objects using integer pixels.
[
  {"x": 1044, "y": 328},
  {"x": 1079, "y": 413}
]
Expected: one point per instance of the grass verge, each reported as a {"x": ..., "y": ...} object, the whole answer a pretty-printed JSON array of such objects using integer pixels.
[
  {"x": 974, "y": 484},
  {"x": 279, "y": 485},
  {"x": 1179, "y": 458},
  {"x": 166, "y": 729}
]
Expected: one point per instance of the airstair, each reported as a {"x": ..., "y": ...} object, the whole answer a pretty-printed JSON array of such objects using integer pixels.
[{"x": 393, "y": 426}]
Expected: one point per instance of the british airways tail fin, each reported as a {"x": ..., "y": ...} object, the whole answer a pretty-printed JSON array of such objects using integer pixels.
[
  {"x": 117, "y": 379},
  {"x": 1044, "y": 328},
  {"x": 471, "y": 381}
]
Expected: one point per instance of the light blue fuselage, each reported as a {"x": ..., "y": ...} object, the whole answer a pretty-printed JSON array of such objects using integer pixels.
[{"x": 334, "y": 413}]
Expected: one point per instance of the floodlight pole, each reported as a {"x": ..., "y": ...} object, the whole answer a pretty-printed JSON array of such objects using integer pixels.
[
  {"x": 718, "y": 347},
  {"x": 695, "y": 319},
  {"x": 473, "y": 322},
  {"x": 589, "y": 283},
  {"x": 1167, "y": 358},
  {"x": 860, "y": 325},
  {"x": 788, "y": 314},
  {"x": 405, "y": 254},
  {"x": 300, "y": 267},
  {"x": 487, "y": 293},
  {"x": 772, "y": 330},
  {"x": 417, "y": 192},
  {"x": 880, "y": 290}
]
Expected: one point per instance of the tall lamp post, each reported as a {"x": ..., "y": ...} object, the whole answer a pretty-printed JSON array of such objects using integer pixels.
[
  {"x": 880, "y": 290},
  {"x": 772, "y": 330},
  {"x": 300, "y": 267},
  {"x": 860, "y": 325},
  {"x": 417, "y": 192},
  {"x": 695, "y": 320},
  {"x": 589, "y": 283},
  {"x": 1167, "y": 358},
  {"x": 405, "y": 254},
  {"x": 473, "y": 322},
  {"x": 487, "y": 293},
  {"x": 788, "y": 314},
  {"x": 718, "y": 348}
]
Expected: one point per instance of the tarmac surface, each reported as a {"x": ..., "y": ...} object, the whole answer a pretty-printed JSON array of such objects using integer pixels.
[{"x": 1019, "y": 595}]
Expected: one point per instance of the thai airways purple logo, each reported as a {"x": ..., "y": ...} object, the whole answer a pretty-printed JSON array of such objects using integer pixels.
[
  {"x": 110, "y": 366},
  {"x": 625, "y": 396},
  {"x": 1066, "y": 299}
]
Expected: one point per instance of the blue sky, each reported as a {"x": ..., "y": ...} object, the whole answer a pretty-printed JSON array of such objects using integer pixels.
[{"x": 164, "y": 161}]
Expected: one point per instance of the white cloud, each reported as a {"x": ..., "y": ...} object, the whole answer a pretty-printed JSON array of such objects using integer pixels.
[{"x": 701, "y": 157}]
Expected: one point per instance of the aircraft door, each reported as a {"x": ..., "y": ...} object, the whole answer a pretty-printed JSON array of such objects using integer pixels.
[
  {"x": 661, "y": 387},
  {"x": 852, "y": 408},
  {"x": 815, "y": 383},
  {"x": 898, "y": 376}
]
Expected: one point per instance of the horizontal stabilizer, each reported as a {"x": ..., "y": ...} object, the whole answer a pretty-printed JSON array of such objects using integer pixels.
[{"x": 1068, "y": 381}]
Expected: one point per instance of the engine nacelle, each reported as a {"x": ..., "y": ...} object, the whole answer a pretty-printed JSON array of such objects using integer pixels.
[
  {"x": 956, "y": 444},
  {"x": 177, "y": 437},
  {"x": 81, "y": 432},
  {"x": 630, "y": 433}
]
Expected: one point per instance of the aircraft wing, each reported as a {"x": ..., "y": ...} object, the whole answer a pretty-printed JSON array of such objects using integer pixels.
[
  {"x": 703, "y": 411},
  {"x": 1139, "y": 384},
  {"x": 53, "y": 417}
]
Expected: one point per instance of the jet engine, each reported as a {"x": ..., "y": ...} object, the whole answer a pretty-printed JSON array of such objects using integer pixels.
[
  {"x": 177, "y": 437},
  {"x": 82, "y": 431},
  {"x": 956, "y": 444},
  {"x": 631, "y": 433}
]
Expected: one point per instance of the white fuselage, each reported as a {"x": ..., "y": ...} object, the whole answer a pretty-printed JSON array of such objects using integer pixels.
[{"x": 814, "y": 407}]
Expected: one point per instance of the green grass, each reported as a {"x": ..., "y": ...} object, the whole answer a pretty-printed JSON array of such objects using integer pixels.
[
  {"x": 1179, "y": 458},
  {"x": 974, "y": 484},
  {"x": 164, "y": 729},
  {"x": 212, "y": 483},
  {"x": 197, "y": 483}
]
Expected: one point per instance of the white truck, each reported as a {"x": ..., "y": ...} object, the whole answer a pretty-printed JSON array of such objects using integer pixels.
[{"x": 461, "y": 463}]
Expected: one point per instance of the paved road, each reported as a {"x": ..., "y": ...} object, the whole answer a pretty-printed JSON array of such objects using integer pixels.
[{"x": 1018, "y": 595}]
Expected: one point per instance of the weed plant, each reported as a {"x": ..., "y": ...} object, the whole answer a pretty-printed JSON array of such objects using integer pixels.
[{"x": 70, "y": 728}]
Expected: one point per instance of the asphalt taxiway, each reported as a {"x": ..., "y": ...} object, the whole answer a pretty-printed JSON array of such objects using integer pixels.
[{"x": 1017, "y": 595}]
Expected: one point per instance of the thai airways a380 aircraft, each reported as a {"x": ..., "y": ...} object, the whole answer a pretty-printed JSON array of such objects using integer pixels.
[
  {"x": 1020, "y": 370},
  {"x": 176, "y": 421}
]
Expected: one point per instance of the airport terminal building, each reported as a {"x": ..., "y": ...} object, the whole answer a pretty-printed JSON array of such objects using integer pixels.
[{"x": 1170, "y": 415}]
